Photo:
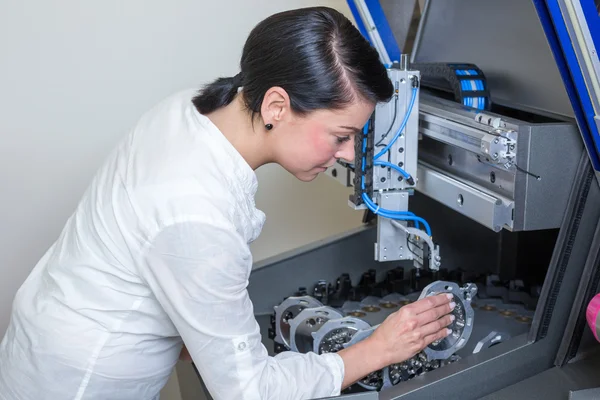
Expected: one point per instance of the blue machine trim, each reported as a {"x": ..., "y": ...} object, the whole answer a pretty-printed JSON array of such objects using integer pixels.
[
  {"x": 564, "y": 54},
  {"x": 359, "y": 23},
  {"x": 385, "y": 32}
]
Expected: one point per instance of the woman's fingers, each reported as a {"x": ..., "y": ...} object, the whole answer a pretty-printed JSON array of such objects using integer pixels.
[
  {"x": 436, "y": 336},
  {"x": 431, "y": 302},
  {"x": 435, "y": 313},
  {"x": 436, "y": 326}
]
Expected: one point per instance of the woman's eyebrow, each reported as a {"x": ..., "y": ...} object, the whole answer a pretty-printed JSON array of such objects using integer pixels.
[{"x": 352, "y": 128}]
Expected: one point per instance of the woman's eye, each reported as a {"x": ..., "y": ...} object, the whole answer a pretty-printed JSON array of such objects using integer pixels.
[{"x": 342, "y": 139}]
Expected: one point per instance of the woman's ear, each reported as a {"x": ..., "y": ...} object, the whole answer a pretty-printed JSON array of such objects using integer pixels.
[{"x": 275, "y": 106}]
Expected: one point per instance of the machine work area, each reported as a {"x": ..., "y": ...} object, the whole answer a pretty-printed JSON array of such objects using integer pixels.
[
  {"x": 338, "y": 315},
  {"x": 478, "y": 178}
]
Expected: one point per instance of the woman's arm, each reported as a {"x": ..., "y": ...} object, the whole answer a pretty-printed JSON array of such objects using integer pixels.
[
  {"x": 402, "y": 335},
  {"x": 199, "y": 273},
  {"x": 371, "y": 355}
]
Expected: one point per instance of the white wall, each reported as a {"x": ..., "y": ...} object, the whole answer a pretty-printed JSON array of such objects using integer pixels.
[{"x": 75, "y": 75}]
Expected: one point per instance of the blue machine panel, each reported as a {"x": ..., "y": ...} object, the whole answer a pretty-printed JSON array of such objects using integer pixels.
[
  {"x": 373, "y": 7},
  {"x": 572, "y": 71}
]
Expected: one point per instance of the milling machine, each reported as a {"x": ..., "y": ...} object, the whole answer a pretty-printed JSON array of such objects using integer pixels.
[{"x": 479, "y": 178}]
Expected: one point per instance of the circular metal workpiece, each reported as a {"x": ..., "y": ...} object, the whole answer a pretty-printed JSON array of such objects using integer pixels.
[
  {"x": 407, "y": 370},
  {"x": 371, "y": 309},
  {"x": 286, "y": 311},
  {"x": 388, "y": 304},
  {"x": 373, "y": 381},
  {"x": 508, "y": 310},
  {"x": 413, "y": 367},
  {"x": 335, "y": 333},
  {"x": 393, "y": 298},
  {"x": 303, "y": 326},
  {"x": 524, "y": 319},
  {"x": 461, "y": 327},
  {"x": 357, "y": 314},
  {"x": 371, "y": 301}
]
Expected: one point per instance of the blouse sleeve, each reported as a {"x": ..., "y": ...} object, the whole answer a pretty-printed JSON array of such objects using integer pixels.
[{"x": 199, "y": 273}]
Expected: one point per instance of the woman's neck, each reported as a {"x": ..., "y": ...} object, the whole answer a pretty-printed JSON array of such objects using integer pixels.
[{"x": 235, "y": 123}]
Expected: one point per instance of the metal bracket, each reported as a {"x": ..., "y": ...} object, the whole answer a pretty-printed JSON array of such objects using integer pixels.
[
  {"x": 490, "y": 340},
  {"x": 500, "y": 146},
  {"x": 335, "y": 333},
  {"x": 391, "y": 243},
  {"x": 435, "y": 260},
  {"x": 288, "y": 310},
  {"x": 308, "y": 321},
  {"x": 462, "y": 327}
]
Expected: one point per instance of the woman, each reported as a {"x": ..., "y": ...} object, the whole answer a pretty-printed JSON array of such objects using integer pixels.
[{"x": 157, "y": 255}]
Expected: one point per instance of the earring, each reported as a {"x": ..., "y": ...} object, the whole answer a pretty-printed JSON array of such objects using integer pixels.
[{"x": 269, "y": 126}]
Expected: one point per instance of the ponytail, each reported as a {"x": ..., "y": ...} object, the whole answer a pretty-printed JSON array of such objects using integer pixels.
[
  {"x": 315, "y": 54},
  {"x": 217, "y": 94}
]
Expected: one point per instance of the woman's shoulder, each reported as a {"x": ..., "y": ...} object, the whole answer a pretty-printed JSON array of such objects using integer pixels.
[{"x": 180, "y": 167}]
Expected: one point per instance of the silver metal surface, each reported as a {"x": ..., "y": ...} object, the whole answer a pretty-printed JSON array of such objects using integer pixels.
[
  {"x": 463, "y": 323},
  {"x": 539, "y": 169},
  {"x": 306, "y": 323},
  {"x": 495, "y": 212},
  {"x": 585, "y": 394},
  {"x": 416, "y": 366},
  {"x": 500, "y": 146},
  {"x": 397, "y": 241},
  {"x": 553, "y": 151},
  {"x": 490, "y": 340},
  {"x": 388, "y": 120},
  {"x": 335, "y": 333},
  {"x": 391, "y": 242},
  {"x": 507, "y": 183},
  {"x": 493, "y": 138},
  {"x": 286, "y": 311},
  {"x": 416, "y": 245},
  {"x": 504, "y": 39},
  {"x": 396, "y": 133},
  {"x": 451, "y": 132},
  {"x": 583, "y": 44}
]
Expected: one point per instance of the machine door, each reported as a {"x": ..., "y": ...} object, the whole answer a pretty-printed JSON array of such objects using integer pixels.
[{"x": 573, "y": 31}]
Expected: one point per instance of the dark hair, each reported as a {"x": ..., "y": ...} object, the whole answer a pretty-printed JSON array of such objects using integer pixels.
[{"x": 315, "y": 54}]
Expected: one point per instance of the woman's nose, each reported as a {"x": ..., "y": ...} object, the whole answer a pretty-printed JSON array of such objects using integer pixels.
[{"x": 346, "y": 153}]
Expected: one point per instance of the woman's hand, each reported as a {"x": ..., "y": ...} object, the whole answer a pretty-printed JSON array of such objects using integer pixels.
[
  {"x": 402, "y": 335},
  {"x": 409, "y": 330}
]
